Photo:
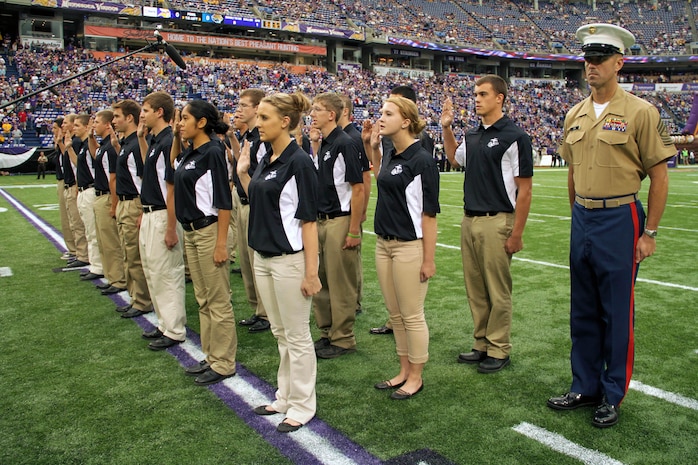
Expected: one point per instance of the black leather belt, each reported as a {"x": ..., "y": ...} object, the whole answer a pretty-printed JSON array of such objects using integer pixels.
[
  {"x": 127, "y": 197},
  {"x": 98, "y": 192},
  {"x": 200, "y": 223},
  {"x": 244, "y": 201},
  {"x": 68, "y": 186},
  {"x": 153, "y": 208},
  {"x": 474, "y": 213},
  {"x": 84, "y": 188},
  {"x": 330, "y": 216},
  {"x": 391, "y": 238},
  {"x": 276, "y": 254}
]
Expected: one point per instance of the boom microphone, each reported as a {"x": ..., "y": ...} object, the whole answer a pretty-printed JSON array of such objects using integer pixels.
[{"x": 171, "y": 51}]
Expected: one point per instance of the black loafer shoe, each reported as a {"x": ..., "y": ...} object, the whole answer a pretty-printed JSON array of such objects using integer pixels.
[
  {"x": 154, "y": 334},
  {"x": 84, "y": 273},
  {"x": 249, "y": 321},
  {"x": 287, "y": 427},
  {"x": 571, "y": 401},
  {"x": 76, "y": 264},
  {"x": 606, "y": 415},
  {"x": 132, "y": 313},
  {"x": 112, "y": 290},
  {"x": 321, "y": 343},
  {"x": 260, "y": 326},
  {"x": 381, "y": 330},
  {"x": 262, "y": 410},
  {"x": 383, "y": 385},
  {"x": 91, "y": 276},
  {"x": 163, "y": 343},
  {"x": 210, "y": 376},
  {"x": 123, "y": 308},
  {"x": 474, "y": 356},
  {"x": 102, "y": 286},
  {"x": 492, "y": 365},
  {"x": 196, "y": 370},
  {"x": 403, "y": 395},
  {"x": 334, "y": 351}
]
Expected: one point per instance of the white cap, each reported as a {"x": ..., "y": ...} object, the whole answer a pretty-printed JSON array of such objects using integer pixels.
[{"x": 600, "y": 39}]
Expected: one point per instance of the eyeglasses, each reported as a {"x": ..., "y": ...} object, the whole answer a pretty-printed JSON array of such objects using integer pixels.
[
  {"x": 317, "y": 110},
  {"x": 597, "y": 60}
]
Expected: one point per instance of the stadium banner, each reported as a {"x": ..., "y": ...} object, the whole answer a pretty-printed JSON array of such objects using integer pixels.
[
  {"x": 195, "y": 39},
  {"x": 87, "y": 5},
  {"x": 323, "y": 31},
  {"x": 407, "y": 72},
  {"x": 14, "y": 156}
]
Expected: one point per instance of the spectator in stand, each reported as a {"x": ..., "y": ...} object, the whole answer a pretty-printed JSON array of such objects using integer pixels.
[{"x": 17, "y": 136}]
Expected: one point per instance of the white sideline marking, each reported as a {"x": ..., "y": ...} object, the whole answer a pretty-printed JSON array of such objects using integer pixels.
[
  {"x": 564, "y": 446},
  {"x": 5, "y": 271},
  {"x": 677, "y": 399},
  {"x": 305, "y": 438},
  {"x": 54, "y": 235}
]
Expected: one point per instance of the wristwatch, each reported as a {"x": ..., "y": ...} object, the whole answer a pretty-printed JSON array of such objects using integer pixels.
[{"x": 651, "y": 233}]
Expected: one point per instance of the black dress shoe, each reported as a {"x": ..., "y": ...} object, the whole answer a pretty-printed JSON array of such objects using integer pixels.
[
  {"x": 196, "y": 370},
  {"x": 606, "y": 415},
  {"x": 112, "y": 290},
  {"x": 84, "y": 273},
  {"x": 154, "y": 334},
  {"x": 321, "y": 343},
  {"x": 403, "y": 395},
  {"x": 383, "y": 385},
  {"x": 76, "y": 264},
  {"x": 102, "y": 286},
  {"x": 287, "y": 427},
  {"x": 260, "y": 326},
  {"x": 381, "y": 330},
  {"x": 210, "y": 376},
  {"x": 163, "y": 343},
  {"x": 474, "y": 356},
  {"x": 571, "y": 401},
  {"x": 492, "y": 365},
  {"x": 262, "y": 410},
  {"x": 334, "y": 351},
  {"x": 132, "y": 313},
  {"x": 249, "y": 321},
  {"x": 123, "y": 308},
  {"x": 91, "y": 276}
]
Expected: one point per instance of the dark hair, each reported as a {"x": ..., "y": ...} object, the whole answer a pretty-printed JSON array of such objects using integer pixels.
[
  {"x": 497, "y": 82},
  {"x": 58, "y": 121},
  {"x": 129, "y": 107},
  {"x": 202, "y": 109},
  {"x": 405, "y": 91},
  {"x": 163, "y": 100}
]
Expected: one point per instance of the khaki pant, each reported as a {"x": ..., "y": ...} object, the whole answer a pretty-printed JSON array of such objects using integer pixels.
[
  {"x": 127, "y": 213},
  {"x": 109, "y": 243},
  {"x": 335, "y": 305},
  {"x": 246, "y": 260},
  {"x": 86, "y": 203},
  {"x": 397, "y": 266},
  {"x": 77, "y": 228},
  {"x": 488, "y": 280},
  {"x": 65, "y": 222},
  {"x": 212, "y": 291},
  {"x": 279, "y": 283},
  {"x": 164, "y": 273}
]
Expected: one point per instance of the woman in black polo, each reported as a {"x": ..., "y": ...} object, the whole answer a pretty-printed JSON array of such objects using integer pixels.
[
  {"x": 405, "y": 225},
  {"x": 202, "y": 205},
  {"x": 283, "y": 215}
]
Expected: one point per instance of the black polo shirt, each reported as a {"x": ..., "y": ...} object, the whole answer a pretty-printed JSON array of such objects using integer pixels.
[
  {"x": 59, "y": 165},
  {"x": 408, "y": 185},
  {"x": 105, "y": 163},
  {"x": 157, "y": 169},
  {"x": 492, "y": 158},
  {"x": 85, "y": 165},
  {"x": 356, "y": 137},
  {"x": 201, "y": 183},
  {"x": 68, "y": 166},
  {"x": 283, "y": 195},
  {"x": 129, "y": 167},
  {"x": 258, "y": 150},
  {"x": 338, "y": 168}
]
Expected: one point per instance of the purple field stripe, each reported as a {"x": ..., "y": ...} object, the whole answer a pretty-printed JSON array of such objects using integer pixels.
[
  {"x": 41, "y": 227},
  {"x": 283, "y": 442}
]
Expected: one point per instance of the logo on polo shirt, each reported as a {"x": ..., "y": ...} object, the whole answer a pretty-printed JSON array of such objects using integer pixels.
[
  {"x": 327, "y": 156},
  {"x": 190, "y": 166},
  {"x": 152, "y": 152},
  {"x": 271, "y": 175},
  {"x": 397, "y": 170},
  {"x": 493, "y": 142}
]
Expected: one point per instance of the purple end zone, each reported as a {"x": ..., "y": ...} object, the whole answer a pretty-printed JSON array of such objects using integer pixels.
[{"x": 283, "y": 442}]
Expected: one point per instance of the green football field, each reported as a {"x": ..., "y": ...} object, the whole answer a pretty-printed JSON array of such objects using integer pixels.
[{"x": 79, "y": 385}]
